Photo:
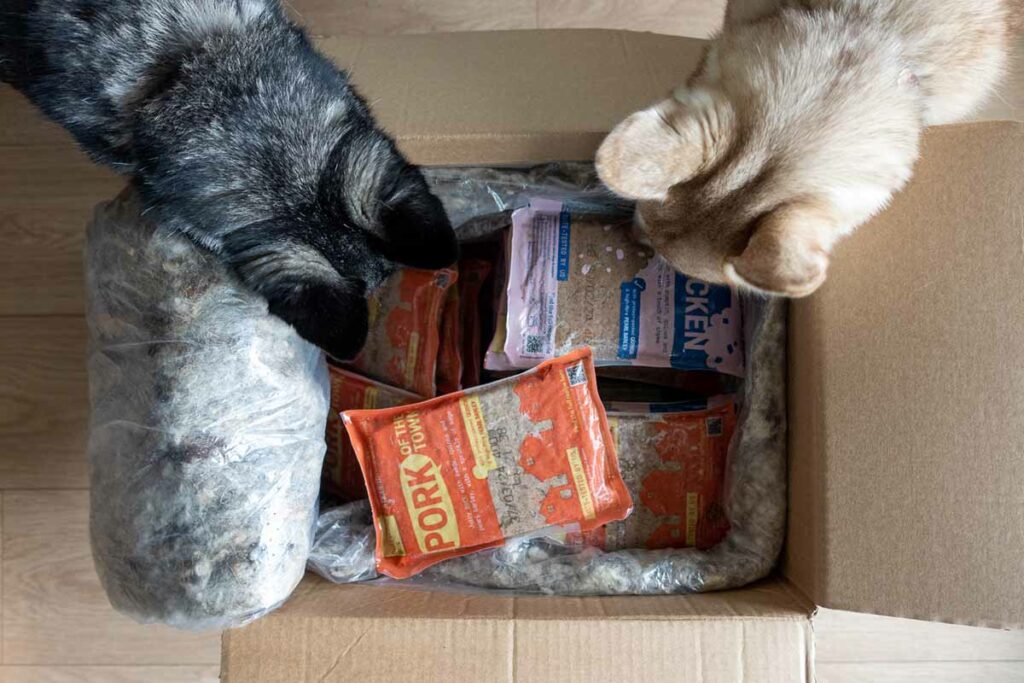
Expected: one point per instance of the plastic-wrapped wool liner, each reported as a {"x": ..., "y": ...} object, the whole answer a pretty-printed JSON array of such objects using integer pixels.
[
  {"x": 480, "y": 200},
  {"x": 207, "y": 431}
]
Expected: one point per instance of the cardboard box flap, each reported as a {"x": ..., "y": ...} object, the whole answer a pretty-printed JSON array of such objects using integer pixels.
[
  {"x": 317, "y": 598},
  {"x": 511, "y": 97},
  {"x": 907, "y": 397},
  {"x": 389, "y": 633}
]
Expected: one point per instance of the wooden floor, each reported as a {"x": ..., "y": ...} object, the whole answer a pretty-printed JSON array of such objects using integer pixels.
[{"x": 55, "y": 624}]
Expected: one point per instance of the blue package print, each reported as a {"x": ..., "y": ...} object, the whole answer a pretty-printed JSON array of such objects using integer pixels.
[{"x": 707, "y": 317}]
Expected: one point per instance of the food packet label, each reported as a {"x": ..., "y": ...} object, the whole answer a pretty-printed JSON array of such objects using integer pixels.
[
  {"x": 583, "y": 282},
  {"x": 342, "y": 476},
  {"x": 543, "y": 244},
  {"x": 674, "y": 465},
  {"x": 465, "y": 471}
]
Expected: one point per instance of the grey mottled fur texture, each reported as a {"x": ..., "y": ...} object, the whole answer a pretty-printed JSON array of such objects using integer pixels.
[{"x": 240, "y": 135}]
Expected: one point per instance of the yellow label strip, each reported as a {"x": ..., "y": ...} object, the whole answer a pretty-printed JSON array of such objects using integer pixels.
[
  {"x": 370, "y": 398},
  {"x": 692, "y": 507},
  {"x": 476, "y": 429},
  {"x": 579, "y": 478},
  {"x": 430, "y": 507},
  {"x": 411, "y": 359},
  {"x": 392, "y": 539}
]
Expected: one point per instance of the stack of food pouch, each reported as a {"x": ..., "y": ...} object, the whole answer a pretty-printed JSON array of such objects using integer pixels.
[
  {"x": 422, "y": 324},
  {"x": 690, "y": 374},
  {"x": 193, "y": 441}
]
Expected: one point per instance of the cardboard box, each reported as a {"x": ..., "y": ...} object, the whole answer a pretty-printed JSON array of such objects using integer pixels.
[{"x": 906, "y": 402}]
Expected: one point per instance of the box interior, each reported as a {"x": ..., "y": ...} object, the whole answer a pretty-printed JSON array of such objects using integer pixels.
[
  {"x": 906, "y": 397},
  {"x": 760, "y": 631},
  {"x": 906, "y": 392},
  {"x": 510, "y": 97}
]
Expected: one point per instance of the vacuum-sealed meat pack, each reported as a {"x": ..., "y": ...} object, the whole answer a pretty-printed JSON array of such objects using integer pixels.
[
  {"x": 673, "y": 460},
  {"x": 405, "y": 330},
  {"x": 466, "y": 471}
]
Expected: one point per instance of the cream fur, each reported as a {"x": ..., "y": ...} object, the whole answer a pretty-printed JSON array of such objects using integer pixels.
[{"x": 802, "y": 122}]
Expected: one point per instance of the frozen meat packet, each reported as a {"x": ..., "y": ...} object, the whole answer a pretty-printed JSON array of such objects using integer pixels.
[
  {"x": 405, "y": 329},
  {"x": 673, "y": 460},
  {"x": 350, "y": 391},
  {"x": 463, "y": 472},
  {"x": 580, "y": 280}
]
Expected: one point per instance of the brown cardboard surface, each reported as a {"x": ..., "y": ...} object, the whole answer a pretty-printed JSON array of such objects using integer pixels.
[
  {"x": 384, "y": 633},
  {"x": 514, "y": 96},
  {"x": 907, "y": 397},
  {"x": 804, "y": 545},
  {"x": 315, "y": 598},
  {"x": 906, "y": 408}
]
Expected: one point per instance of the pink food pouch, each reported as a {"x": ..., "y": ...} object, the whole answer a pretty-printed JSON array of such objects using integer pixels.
[{"x": 582, "y": 281}]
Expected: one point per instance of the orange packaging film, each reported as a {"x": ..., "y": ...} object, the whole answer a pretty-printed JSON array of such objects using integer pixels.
[
  {"x": 405, "y": 322},
  {"x": 449, "y": 358},
  {"x": 349, "y": 391},
  {"x": 463, "y": 472},
  {"x": 472, "y": 276},
  {"x": 674, "y": 465}
]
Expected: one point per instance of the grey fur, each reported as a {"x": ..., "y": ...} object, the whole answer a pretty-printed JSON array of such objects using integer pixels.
[{"x": 240, "y": 135}]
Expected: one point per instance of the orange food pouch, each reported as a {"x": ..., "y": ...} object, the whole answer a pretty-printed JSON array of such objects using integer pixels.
[
  {"x": 405, "y": 321},
  {"x": 341, "y": 474},
  {"x": 449, "y": 358},
  {"x": 674, "y": 465},
  {"x": 463, "y": 472},
  {"x": 472, "y": 276}
]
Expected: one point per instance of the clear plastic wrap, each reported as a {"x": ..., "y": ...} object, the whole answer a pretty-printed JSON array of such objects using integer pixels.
[
  {"x": 343, "y": 550},
  {"x": 206, "y": 438},
  {"x": 481, "y": 202}
]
